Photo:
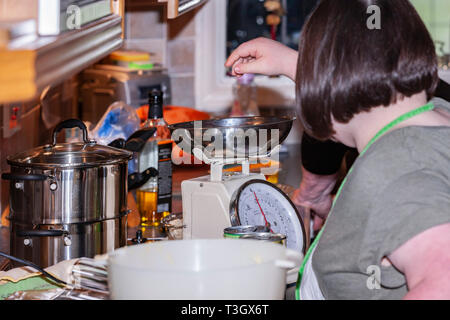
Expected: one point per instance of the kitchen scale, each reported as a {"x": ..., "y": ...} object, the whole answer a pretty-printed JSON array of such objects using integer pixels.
[{"x": 223, "y": 199}]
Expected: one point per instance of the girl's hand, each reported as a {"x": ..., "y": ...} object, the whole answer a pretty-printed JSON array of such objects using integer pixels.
[
  {"x": 263, "y": 56},
  {"x": 315, "y": 192}
]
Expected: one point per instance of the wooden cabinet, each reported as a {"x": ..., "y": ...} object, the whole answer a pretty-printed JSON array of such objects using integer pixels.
[
  {"x": 176, "y": 8},
  {"x": 27, "y": 69}
]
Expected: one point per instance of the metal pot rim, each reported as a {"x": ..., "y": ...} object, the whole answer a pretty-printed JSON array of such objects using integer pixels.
[
  {"x": 99, "y": 154},
  {"x": 65, "y": 165}
]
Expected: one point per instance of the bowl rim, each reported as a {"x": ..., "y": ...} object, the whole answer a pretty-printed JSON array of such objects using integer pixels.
[{"x": 180, "y": 268}]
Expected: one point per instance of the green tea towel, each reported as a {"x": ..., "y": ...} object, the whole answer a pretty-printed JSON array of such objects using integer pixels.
[{"x": 33, "y": 283}]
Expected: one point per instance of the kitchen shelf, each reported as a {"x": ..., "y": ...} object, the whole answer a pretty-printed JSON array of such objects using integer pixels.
[
  {"x": 27, "y": 69},
  {"x": 175, "y": 8}
]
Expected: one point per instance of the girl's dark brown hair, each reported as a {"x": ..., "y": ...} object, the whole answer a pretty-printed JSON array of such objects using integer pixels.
[{"x": 345, "y": 68}]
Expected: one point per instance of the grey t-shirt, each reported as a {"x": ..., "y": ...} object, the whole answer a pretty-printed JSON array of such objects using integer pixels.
[{"x": 399, "y": 188}]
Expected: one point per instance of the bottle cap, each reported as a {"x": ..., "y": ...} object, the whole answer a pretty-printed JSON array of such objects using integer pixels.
[
  {"x": 155, "y": 104},
  {"x": 246, "y": 78}
]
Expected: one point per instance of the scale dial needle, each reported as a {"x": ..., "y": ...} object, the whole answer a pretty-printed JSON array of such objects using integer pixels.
[{"x": 262, "y": 212}]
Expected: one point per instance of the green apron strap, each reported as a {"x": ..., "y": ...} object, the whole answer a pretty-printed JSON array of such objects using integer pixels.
[{"x": 402, "y": 118}]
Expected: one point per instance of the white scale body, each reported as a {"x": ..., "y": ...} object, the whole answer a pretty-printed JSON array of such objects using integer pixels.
[{"x": 206, "y": 203}]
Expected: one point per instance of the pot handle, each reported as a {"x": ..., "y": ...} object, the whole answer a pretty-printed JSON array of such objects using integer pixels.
[
  {"x": 144, "y": 133},
  {"x": 293, "y": 259},
  {"x": 137, "y": 140},
  {"x": 294, "y": 255},
  {"x": 69, "y": 124},
  {"x": 136, "y": 180},
  {"x": 24, "y": 177},
  {"x": 135, "y": 144},
  {"x": 41, "y": 233},
  {"x": 118, "y": 143},
  {"x": 285, "y": 264}
]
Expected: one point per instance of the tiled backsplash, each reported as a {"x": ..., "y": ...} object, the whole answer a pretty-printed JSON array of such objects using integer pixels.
[
  {"x": 37, "y": 119},
  {"x": 171, "y": 41}
]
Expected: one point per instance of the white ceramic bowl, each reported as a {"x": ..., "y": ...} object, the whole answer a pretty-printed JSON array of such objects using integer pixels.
[{"x": 208, "y": 269}]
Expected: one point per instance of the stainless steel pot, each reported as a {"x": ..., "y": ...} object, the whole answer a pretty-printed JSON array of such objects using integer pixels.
[
  {"x": 50, "y": 244},
  {"x": 64, "y": 184},
  {"x": 68, "y": 182}
]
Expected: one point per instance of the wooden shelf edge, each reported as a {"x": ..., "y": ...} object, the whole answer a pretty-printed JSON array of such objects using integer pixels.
[
  {"x": 26, "y": 71},
  {"x": 175, "y": 8}
]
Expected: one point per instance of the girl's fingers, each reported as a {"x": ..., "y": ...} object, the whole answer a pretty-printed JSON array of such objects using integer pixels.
[
  {"x": 245, "y": 50},
  {"x": 234, "y": 57},
  {"x": 243, "y": 65},
  {"x": 235, "y": 64},
  {"x": 252, "y": 66}
]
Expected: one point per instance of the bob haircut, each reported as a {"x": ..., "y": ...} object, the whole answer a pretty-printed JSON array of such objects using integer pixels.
[{"x": 345, "y": 68}]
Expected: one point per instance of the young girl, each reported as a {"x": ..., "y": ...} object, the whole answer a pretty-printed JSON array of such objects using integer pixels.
[{"x": 387, "y": 235}]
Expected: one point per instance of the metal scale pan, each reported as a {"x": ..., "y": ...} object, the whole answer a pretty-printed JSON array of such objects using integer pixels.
[{"x": 239, "y": 137}]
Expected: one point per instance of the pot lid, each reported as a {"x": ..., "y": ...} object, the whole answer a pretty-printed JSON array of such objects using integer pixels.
[
  {"x": 79, "y": 154},
  {"x": 70, "y": 155}
]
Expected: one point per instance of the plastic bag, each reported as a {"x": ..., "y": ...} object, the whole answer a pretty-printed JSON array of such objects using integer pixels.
[{"x": 119, "y": 121}]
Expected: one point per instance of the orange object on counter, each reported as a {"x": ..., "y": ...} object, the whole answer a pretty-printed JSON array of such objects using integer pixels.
[
  {"x": 256, "y": 167},
  {"x": 5, "y": 222},
  {"x": 176, "y": 114}
]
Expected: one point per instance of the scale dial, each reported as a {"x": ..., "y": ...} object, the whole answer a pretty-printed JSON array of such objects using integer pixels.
[{"x": 259, "y": 201}]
